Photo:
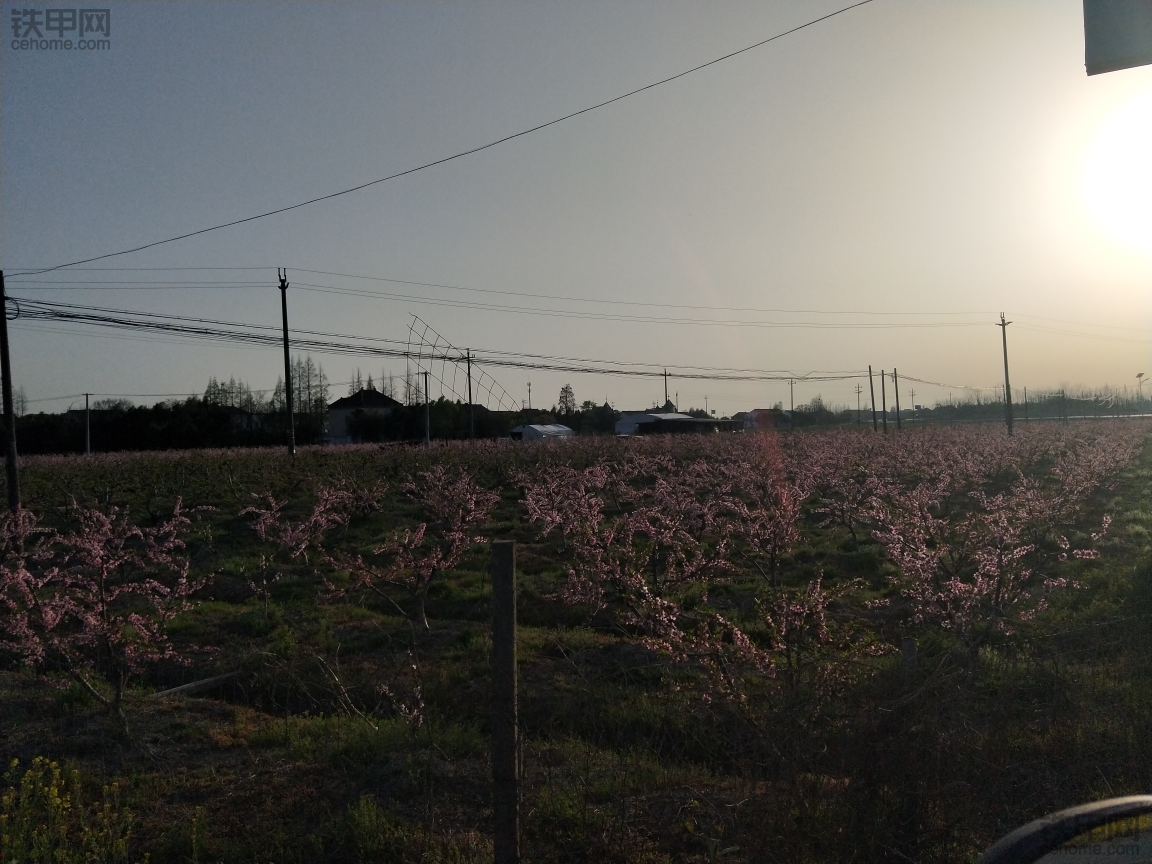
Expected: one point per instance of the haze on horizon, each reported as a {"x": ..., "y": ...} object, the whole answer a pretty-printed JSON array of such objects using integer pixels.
[{"x": 903, "y": 163}]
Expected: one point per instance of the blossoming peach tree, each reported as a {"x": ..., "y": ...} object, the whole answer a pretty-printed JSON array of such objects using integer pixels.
[{"x": 93, "y": 602}]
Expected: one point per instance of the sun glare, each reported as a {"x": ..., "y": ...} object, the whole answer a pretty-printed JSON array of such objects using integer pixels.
[{"x": 1117, "y": 179}]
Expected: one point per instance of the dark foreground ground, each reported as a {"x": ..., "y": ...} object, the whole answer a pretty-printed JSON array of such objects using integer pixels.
[{"x": 302, "y": 757}]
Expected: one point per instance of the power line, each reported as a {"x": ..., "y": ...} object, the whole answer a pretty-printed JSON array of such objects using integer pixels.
[
  {"x": 129, "y": 284},
  {"x": 110, "y": 284},
  {"x": 119, "y": 396},
  {"x": 613, "y": 302},
  {"x": 462, "y": 153},
  {"x": 536, "y": 296},
  {"x": 210, "y": 329},
  {"x": 1083, "y": 335},
  {"x": 141, "y": 269},
  {"x": 638, "y": 319},
  {"x": 175, "y": 340},
  {"x": 319, "y": 341},
  {"x": 31, "y": 307},
  {"x": 1080, "y": 323},
  {"x": 648, "y": 319}
]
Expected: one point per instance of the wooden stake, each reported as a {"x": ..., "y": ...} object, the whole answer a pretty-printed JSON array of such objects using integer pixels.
[{"x": 505, "y": 765}]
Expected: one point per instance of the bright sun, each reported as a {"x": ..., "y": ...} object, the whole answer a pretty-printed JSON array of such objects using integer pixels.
[{"x": 1117, "y": 179}]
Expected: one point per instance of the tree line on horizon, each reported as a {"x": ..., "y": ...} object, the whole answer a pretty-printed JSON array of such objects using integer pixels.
[{"x": 233, "y": 414}]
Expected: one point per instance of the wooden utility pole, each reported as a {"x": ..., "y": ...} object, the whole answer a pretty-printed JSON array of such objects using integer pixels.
[
  {"x": 883, "y": 402},
  {"x": 87, "y": 428},
  {"x": 896, "y": 389},
  {"x": 872, "y": 395},
  {"x": 427, "y": 414},
  {"x": 1003, "y": 325},
  {"x": 505, "y": 733},
  {"x": 283, "y": 274},
  {"x": 471, "y": 410},
  {"x": 9, "y": 407}
]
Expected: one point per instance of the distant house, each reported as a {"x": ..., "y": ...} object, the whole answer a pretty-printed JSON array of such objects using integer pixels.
[
  {"x": 368, "y": 402},
  {"x": 540, "y": 431},
  {"x": 764, "y": 418},
  {"x": 669, "y": 423}
]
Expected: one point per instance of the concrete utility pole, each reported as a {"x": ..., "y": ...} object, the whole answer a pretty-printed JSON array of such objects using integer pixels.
[
  {"x": 883, "y": 402},
  {"x": 471, "y": 410},
  {"x": 858, "y": 389},
  {"x": 791, "y": 397},
  {"x": 896, "y": 389},
  {"x": 913, "y": 404},
  {"x": 1003, "y": 325},
  {"x": 665, "y": 386},
  {"x": 9, "y": 407},
  {"x": 87, "y": 428},
  {"x": 283, "y": 275},
  {"x": 427, "y": 414},
  {"x": 872, "y": 395}
]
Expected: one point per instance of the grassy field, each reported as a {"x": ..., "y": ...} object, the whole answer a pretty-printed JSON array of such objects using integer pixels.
[{"x": 353, "y": 734}]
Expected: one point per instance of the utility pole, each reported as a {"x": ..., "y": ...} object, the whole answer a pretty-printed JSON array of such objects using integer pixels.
[
  {"x": 1003, "y": 325},
  {"x": 883, "y": 402},
  {"x": 529, "y": 395},
  {"x": 427, "y": 414},
  {"x": 858, "y": 389},
  {"x": 471, "y": 410},
  {"x": 283, "y": 275},
  {"x": 1025, "y": 404},
  {"x": 9, "y": 407},
  {"x": 791, "y": 397},
  {"x": 913, "y": 404},
  {"x": 872, "y": 394},
  {"x": 87, "y": 428},
  {"x": 665, "y": 386},
  {"x": 706, "y": 406},
  {"x": 896, "y": 389}
]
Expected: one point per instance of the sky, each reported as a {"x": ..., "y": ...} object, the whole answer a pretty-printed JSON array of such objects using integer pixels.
[{"x": 874, "y": 189}]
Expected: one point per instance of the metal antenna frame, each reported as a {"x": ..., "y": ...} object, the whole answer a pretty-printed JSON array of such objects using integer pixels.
[{"x": 426, "y": 347}]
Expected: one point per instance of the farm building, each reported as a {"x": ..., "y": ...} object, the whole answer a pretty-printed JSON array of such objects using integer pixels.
[
  {"x": 764, "y": 418},
  {"x": 664, "y": 423},
  {"x": 367, "y": 402},
  {"x": 540, "y": 431}
]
